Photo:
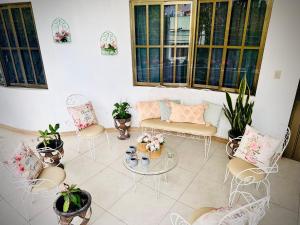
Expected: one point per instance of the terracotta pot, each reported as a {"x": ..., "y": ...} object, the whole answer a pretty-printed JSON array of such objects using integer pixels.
[
  {"x": 141, "y": 147},
  {"x": 65, "y": 218}
]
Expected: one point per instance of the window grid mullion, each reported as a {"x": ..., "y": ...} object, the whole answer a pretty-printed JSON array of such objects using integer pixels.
[
  {"x": 175, "y": 44},
  {"x": 161, "y": 44},
  {"x": 31, "y": 62},
  {"x": 211, "y": 42},
  {"x": 225, "y": 44},
  {"x": 243, "y": 41},
  {"x": 147, "y": 43},
  {"x": 10, "y": 53}
]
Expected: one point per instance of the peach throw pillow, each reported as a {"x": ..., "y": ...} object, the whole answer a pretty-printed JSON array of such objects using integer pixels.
[
  {"x": 187, "y": 113},
  {"x": 148, "y": 110}
]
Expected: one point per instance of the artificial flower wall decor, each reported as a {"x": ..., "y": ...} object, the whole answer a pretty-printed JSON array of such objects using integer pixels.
[
  {"x": 60, "y": 31},
  {"x": 108, "y": 44}
]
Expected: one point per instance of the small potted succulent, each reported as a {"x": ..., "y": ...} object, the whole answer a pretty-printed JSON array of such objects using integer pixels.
[
  {"x": 73, "y": 202},
  {"x": 50, "y": 140},
  {"x": 122, "y": 119}
]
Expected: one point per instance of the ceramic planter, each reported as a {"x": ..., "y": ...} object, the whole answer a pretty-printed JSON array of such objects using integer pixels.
[
  {"x": 123, "y": 126},
  {"x": 65, "y": 218},
  {"x": 47, "y": 155}
]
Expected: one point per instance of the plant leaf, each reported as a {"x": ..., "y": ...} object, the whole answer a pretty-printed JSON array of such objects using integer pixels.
[{"x": 66, "y": 203}]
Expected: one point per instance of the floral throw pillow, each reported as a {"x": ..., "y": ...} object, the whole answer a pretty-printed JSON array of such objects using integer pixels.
[
  {"x": 83, "y": 115},
  {"x": 256, "y": 148},
  {"x": 25, "y": 163},
  {"x": 214, "y": 217}
]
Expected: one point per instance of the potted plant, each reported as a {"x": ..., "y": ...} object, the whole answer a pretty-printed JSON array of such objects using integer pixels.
[
  {"x": 50, "y": 140},
  {"x": 122, "y": 119},
  {"x": 154, "y": 146},
  {"x": 239, "y": 116},
  {"x": 142, "y": 141},
  {"x": 73, "y": 202}
]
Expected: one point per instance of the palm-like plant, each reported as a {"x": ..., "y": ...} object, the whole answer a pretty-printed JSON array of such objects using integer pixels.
[
  {"x": 240, "y": 115},
  {"x": 121, "y": 110}
]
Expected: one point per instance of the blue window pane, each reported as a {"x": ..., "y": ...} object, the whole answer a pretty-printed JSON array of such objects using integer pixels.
[
  {"x": 181, "y": 65},
  {"x": 205, "y": 17},
  {"x": 8, "y": 26},
  {"x": 238, "y": 16},
  {"x": 201, "y": 65},
  {"x": 154, "y": 24},
  {"x": 183, "y": 24},
  {"x": 215, "y": 66},
  {"x": 169, "y": 24},
  {"x": 19, "y": 27},
  {"x": 27, "y": 66},
  {"x": 168, "y": 65},
  {"x": 3, "y": 40},
  {"x": 231, "y": 68},
  {"x": 140, "y": 25},
  {"x": 256, "y": 22},
  {"x": 154, "y": 67},
  {"x": 7, "y": 65},
  {"x": 249, "y": 66},
  {"x": 220, "y": 23},
  {"x": 30, "y": 27},
  {"x": 141, "y": 64},
  {"x": 18, "y": 66},
  {"x": 38, "y": 66}
]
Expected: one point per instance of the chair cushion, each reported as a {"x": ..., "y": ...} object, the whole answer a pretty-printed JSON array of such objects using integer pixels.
[
  {"x": 187, "y": 113},
  {"x": 186, "y": 128},
  {"x": 213, "y": 113},
  {"x": 256, "y": 148},
  {"x": 56, "y": 174},
  {"x": 83, "y": 115},
  {"x": 199, "y": 212},
  {"x": 91, "y": 131},
  {"x": 237, "y": 165},
  {"x": 165, "y": 108},
  {"x": 148, "y": 110}
]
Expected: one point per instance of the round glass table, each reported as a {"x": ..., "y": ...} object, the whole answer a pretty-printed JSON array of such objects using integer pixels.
[{"x": 156, "y": 168}]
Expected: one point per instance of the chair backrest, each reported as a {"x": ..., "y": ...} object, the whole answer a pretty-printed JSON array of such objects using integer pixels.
[{"x": 76, "y": 100}]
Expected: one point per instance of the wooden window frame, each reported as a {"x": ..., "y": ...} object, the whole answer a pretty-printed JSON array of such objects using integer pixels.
[
  {"x": 20, "y": 6},
  {"x": 192, "y": 54}
]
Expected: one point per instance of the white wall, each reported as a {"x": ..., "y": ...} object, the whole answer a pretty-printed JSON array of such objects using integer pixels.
[{"x": 79, "y": 67}]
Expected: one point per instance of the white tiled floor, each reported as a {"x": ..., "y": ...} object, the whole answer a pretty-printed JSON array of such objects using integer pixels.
[{"x": 192, "y": 184}]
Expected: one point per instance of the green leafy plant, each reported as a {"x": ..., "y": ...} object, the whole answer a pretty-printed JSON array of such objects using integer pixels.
[
  {"x": 71, "y": 196},
  {"x": 241, "y": 114},
  {"x": 51, "y": 134},
  {"x": 121, "y": 110}
]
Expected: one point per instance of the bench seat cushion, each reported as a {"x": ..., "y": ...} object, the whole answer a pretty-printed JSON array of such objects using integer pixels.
[{"x": 187, "y": 128}]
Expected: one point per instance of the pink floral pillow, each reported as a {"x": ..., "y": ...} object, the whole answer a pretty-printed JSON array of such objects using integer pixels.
[
  {"x": 256, "y": 148},
  {"x": 83, "y": 115},
  {"x": 25, "y": 163}
]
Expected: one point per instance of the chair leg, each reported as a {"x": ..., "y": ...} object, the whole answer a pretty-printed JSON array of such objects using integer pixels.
[
  {"x": 107, "y": 139},
  {"x": 78, "y": 144},
  {"x": 257, "y": 185},
  {"x": 226, "y": 174}
]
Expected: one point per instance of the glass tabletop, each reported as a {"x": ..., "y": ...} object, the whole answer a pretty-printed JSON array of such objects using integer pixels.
[{"x": 163, "y": 164}]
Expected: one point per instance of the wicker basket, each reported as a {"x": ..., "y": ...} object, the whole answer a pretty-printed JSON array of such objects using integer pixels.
[{"x": 141, "y": 147}]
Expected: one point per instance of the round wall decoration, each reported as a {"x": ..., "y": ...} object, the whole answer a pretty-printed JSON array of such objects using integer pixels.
[
  {"x": 108, "y": 44},
  {"x": 60, "y": 31}
]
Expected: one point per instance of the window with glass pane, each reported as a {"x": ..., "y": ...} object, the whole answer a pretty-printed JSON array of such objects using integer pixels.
[
  {"x": 214, "y": 49},
  {"x": 20, "y": 56}
]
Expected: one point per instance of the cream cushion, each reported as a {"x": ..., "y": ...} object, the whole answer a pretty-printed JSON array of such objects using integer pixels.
[
  {"x": 186, "y": 128},
  {"x": 55, "y": 174},
  {"x": 200, "y": 212},
  {"x": 91, "y": 131},
  {"x": 148, "y": 110},
  {"x": 237, "y": 165},
  {"x": 187, "y": 113}
]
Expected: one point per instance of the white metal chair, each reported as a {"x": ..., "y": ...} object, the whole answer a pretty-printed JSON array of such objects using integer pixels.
[
  {"x": 245, "y": 173},
  {"x": 90, "y": 133},
  {"x": 45, "y": 185},
  {"x": 252, "y": 210}
]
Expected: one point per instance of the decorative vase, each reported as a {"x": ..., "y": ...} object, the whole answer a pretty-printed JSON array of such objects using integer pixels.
[
  {"x": 85, "y": 212},
  {"x": 123, "y": 126},
  {"x": 234, "y": 144},
  {"x": 141, "y": 147}
]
